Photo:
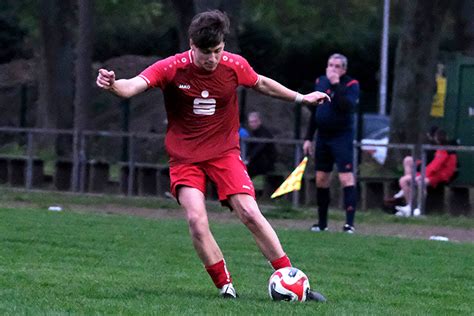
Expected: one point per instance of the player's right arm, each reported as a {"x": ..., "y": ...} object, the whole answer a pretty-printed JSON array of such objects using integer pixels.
[{"x": 125, "y": 88}]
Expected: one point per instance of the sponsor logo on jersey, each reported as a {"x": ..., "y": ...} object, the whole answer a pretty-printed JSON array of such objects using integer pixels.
[
  {"x": 184, "y": 86},
  {"x": 204, "y": 106}
]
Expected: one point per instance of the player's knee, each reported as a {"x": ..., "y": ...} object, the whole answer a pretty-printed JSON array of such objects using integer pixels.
[
  {"x": 197, "y": 226},
  {"x": 346, "y": 182},
  {"x": 250, "y": 216},
  {"x": 408, "y": 161},
  {"x": 401, "y": 182},
  {"x": 322, "y": 181},
  {"x": 346, "y": 179},
  {"x": 404, "y": 180}
]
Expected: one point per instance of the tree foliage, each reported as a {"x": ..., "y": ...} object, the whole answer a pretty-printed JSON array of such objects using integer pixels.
[
  {"x": 291, "y": 41},
  {"x": 288, "y": 40},
  {"x": 141, "y": 27},
  {"x": 12, "y": 31}
]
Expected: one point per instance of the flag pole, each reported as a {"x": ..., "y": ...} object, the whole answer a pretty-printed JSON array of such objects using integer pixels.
[{"x": 296, "y": 194}]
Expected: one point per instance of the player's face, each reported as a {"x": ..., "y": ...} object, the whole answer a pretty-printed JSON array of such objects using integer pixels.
[
  {"x": 208, "y": 58},
  {"x": 335, "y": 65}
]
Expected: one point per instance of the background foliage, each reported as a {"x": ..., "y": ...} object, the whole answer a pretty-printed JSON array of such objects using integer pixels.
[{"x": 289, "y": 41}]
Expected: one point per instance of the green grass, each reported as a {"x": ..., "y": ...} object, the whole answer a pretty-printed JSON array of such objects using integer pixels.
[{"x": 71, "y": 263}]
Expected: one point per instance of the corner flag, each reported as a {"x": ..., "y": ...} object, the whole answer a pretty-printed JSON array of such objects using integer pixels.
[{"x": 293, "y": 182}]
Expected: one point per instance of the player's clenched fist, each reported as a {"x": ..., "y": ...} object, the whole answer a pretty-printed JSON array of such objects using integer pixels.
[{"x": 105, "y": 79}]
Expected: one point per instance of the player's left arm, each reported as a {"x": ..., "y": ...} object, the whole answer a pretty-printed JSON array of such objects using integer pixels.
[{"x": 275, "y": 89}]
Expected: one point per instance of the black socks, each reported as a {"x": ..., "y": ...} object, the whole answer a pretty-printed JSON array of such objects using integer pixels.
[
  {"x": 323, "y": 197},
  {"x": 350, "y": 199},
  {"x": 350, "y": 203}
]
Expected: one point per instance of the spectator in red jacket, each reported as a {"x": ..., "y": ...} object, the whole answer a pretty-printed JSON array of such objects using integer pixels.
[
  {"x": 408, "y": 161},
  {"x": 440, "y": 170}
]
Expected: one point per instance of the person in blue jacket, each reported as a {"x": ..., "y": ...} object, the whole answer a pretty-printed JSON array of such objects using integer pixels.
[{"x": 334, "y": 121}]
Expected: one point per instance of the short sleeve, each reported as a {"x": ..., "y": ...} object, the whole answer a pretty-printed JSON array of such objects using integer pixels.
[
  {"x": 245, "y": 74},
  {"x": 160, "y": 73}
]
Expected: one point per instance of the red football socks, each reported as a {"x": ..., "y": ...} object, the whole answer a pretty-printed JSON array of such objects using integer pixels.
[
  {"x": 282, "y": 262},
  {"x": 219, "y": 274}
]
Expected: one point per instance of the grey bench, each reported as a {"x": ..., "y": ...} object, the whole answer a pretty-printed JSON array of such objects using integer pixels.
[
  {"x": 13, "y": 171},
  {"x": 373, "y": 190},
  {"x": 148, "y": 179},
  {"x": 95, "y": 175},
  {"x": 454, "y": 198}
]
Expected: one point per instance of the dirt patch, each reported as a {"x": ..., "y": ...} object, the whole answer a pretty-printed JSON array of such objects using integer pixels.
[{"x": 396, "y": 230}]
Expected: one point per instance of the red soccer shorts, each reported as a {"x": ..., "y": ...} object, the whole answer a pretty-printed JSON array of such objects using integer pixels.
[{"x": 228, "y": 173}]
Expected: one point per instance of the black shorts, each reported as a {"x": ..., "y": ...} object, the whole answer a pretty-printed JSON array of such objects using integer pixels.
[{"x": 337, "y": 148}]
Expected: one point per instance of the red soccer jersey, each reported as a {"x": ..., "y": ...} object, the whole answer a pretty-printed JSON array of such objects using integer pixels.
[{"x": 201, "y": 106}]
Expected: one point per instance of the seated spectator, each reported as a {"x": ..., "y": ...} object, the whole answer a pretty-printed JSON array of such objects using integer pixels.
[
  {"x": 439, "y": 171},
  {"x": 260, "y": 156},
  {"x": 408, "y": 160}
]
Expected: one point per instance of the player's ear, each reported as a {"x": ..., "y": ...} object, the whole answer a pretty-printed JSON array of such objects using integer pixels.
[{"x": 191, "y": 44}]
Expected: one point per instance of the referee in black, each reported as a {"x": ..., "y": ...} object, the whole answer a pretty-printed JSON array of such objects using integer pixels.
[{"x": 334, "y": 121}]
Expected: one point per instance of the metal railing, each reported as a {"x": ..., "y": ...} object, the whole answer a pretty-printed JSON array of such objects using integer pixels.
[
  {"x": 79, "y": 156},
  {"x": 29, "y": 146},
  {"x": 131, "y": 137},
  {"x": 298, "y": 153},
  {"x": 419, "y": 198}
]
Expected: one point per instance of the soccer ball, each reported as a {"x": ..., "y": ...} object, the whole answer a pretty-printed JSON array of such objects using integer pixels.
[{"x": 288, "y": 284}]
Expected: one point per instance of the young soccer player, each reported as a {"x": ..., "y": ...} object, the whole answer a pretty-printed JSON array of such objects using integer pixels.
[{"x": 202, "y": 138}]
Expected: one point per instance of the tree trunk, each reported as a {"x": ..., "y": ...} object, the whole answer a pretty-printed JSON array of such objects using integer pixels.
[
  {"x": 56, "y": 100},
  {"x": 415, "y": 68},
  {"x": 185, "y": 11},
  {"x": 84, "y": 80}
]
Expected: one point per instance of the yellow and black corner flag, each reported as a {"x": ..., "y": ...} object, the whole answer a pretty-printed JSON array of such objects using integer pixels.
[{"x": 293, "y": 182}]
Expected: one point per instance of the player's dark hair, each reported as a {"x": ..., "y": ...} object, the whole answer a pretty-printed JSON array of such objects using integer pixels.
[{"x": 209, "y": 28}]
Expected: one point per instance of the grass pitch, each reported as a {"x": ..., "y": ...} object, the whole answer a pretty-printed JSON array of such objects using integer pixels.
[{"x": 71, "y": 263}]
